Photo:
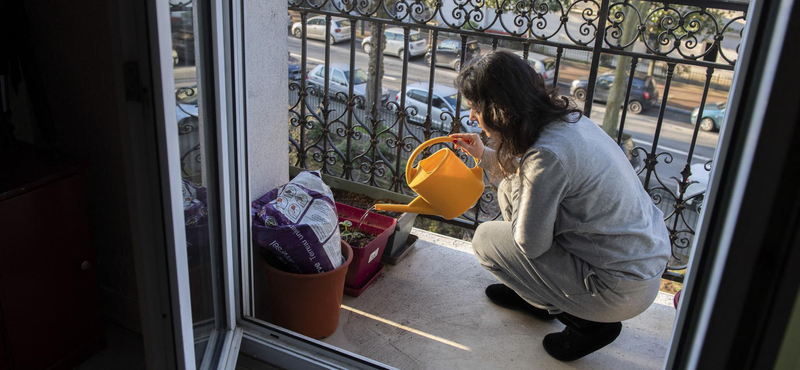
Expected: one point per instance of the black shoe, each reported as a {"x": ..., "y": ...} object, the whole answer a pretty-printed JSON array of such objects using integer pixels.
[
  {"x": 579, "y": 340},
  {"x": 504, "y": 296}
]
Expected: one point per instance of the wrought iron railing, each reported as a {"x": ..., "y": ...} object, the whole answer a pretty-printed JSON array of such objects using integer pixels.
[
  {"x": 189, "y": 133},
  {"x": 341, "y": 136}
]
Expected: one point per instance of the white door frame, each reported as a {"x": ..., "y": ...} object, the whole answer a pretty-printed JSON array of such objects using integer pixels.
[
  {"x": 163, "y": 88},
  {"x": 162, "y": 267},
  {"x": 169, "y": 171}
]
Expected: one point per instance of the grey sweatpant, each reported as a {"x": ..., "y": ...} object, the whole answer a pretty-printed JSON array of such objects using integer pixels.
[{"x": 557, "y": 280}]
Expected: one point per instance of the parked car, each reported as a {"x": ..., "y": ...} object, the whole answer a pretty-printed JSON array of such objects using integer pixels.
[
  {"x": 444, "y": 100},
  {"x": 340, "y": 78},
  {"x": 294, "y": 68},
  {"x": 546, "y": 67},
  {"x": 395, "y": 43},
  {"x": 183, "y": 37},
  {"x": 291, "y": 22},
  {"x": 340, "y": 29},
  {"x": 713, "y": 114},
  {"x": 643, "y": 92},
  {"x": 448, "y": 53}
]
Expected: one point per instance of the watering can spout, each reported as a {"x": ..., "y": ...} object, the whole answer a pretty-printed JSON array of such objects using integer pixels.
[{"x": 418, "y": 205}]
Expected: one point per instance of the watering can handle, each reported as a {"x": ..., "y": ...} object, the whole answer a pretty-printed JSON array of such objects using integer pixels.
[{"x": 410, "y": 170}]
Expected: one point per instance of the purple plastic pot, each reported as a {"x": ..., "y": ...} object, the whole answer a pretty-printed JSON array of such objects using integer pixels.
[{"x": 366, "y": 260}]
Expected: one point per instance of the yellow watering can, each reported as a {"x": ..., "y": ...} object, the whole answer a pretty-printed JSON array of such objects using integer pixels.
[{"x": 444, "y": 184}]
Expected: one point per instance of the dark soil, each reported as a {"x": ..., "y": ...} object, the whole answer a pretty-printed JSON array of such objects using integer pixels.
[
  {"x": 362, "y": 201},
  {"x": 359, "y": 242}
]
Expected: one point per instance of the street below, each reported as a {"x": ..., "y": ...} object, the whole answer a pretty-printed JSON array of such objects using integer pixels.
[{"x": 675, "y": 136}]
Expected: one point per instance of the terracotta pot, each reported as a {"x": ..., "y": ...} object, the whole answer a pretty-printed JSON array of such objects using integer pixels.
[{"x": 308, "y": 304}]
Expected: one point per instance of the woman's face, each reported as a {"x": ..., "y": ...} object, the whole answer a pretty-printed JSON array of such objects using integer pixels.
[{"x": 475, "y": 116}]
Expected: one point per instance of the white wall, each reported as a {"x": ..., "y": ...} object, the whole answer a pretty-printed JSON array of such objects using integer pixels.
[{"x": 266, "y": 94}]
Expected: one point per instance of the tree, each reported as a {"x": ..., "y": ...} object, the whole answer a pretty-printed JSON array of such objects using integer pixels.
[
  {"x": 699, "y": 23},
  {"x": 511, "y": 6},
  {"x": 375, "y": 67},
  {"x": 616, "y": 95}
]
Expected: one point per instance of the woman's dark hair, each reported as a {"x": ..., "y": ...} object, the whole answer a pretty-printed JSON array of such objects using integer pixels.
[{"x": 514, "y": 102}]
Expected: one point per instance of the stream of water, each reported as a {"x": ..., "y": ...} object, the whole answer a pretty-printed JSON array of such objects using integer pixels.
[{"x": 364, "y": 217}]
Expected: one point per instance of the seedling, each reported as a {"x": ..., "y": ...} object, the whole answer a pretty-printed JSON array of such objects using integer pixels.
[{"x": 348, "y": 233}]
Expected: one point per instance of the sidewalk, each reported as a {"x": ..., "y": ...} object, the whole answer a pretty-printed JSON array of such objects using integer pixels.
[{"x": 683, "y": 97}]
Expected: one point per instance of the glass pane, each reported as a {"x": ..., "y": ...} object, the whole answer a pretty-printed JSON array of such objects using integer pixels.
[
  {"x": 437, "y": 102},
  {"x": 360, "y": 77},
  {"x": 338, "y": 77},
  {"x": 453, "y": 99},
  {"x": 421, "y": 96},
  {"x": 194, "y": 98}
]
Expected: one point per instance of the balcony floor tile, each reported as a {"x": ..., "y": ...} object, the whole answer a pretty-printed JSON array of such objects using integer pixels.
[{"x": 429, "y": 312}]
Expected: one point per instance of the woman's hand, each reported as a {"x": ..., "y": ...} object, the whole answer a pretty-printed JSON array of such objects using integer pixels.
[{"x": 470, "y": 143}]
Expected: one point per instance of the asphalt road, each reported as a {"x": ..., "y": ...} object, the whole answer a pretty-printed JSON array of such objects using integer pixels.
[{"x": 676, "y": 132}]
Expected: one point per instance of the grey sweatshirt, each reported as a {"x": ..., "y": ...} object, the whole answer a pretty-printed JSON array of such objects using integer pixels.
[{"x": 577, "y": 189}]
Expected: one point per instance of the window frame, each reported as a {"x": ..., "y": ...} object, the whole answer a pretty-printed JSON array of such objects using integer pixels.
[
  {"x": 275, "y": 341},
  {"x": 222, "y": 346},
  {"x": 422, "y": 96}
]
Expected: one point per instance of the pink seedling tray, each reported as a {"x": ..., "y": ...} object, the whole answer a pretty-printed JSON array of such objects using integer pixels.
[{"x": 366, "y": 261}]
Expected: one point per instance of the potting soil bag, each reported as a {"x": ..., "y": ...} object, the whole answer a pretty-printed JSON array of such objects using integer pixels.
[
  {"x": 298, "y": 224},
  {"x": 194, "y": 203},
  {"x": 195, "y": 216}
]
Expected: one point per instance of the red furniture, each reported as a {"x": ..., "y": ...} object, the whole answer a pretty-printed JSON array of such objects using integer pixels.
[{"x": 50, "y": 313}]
